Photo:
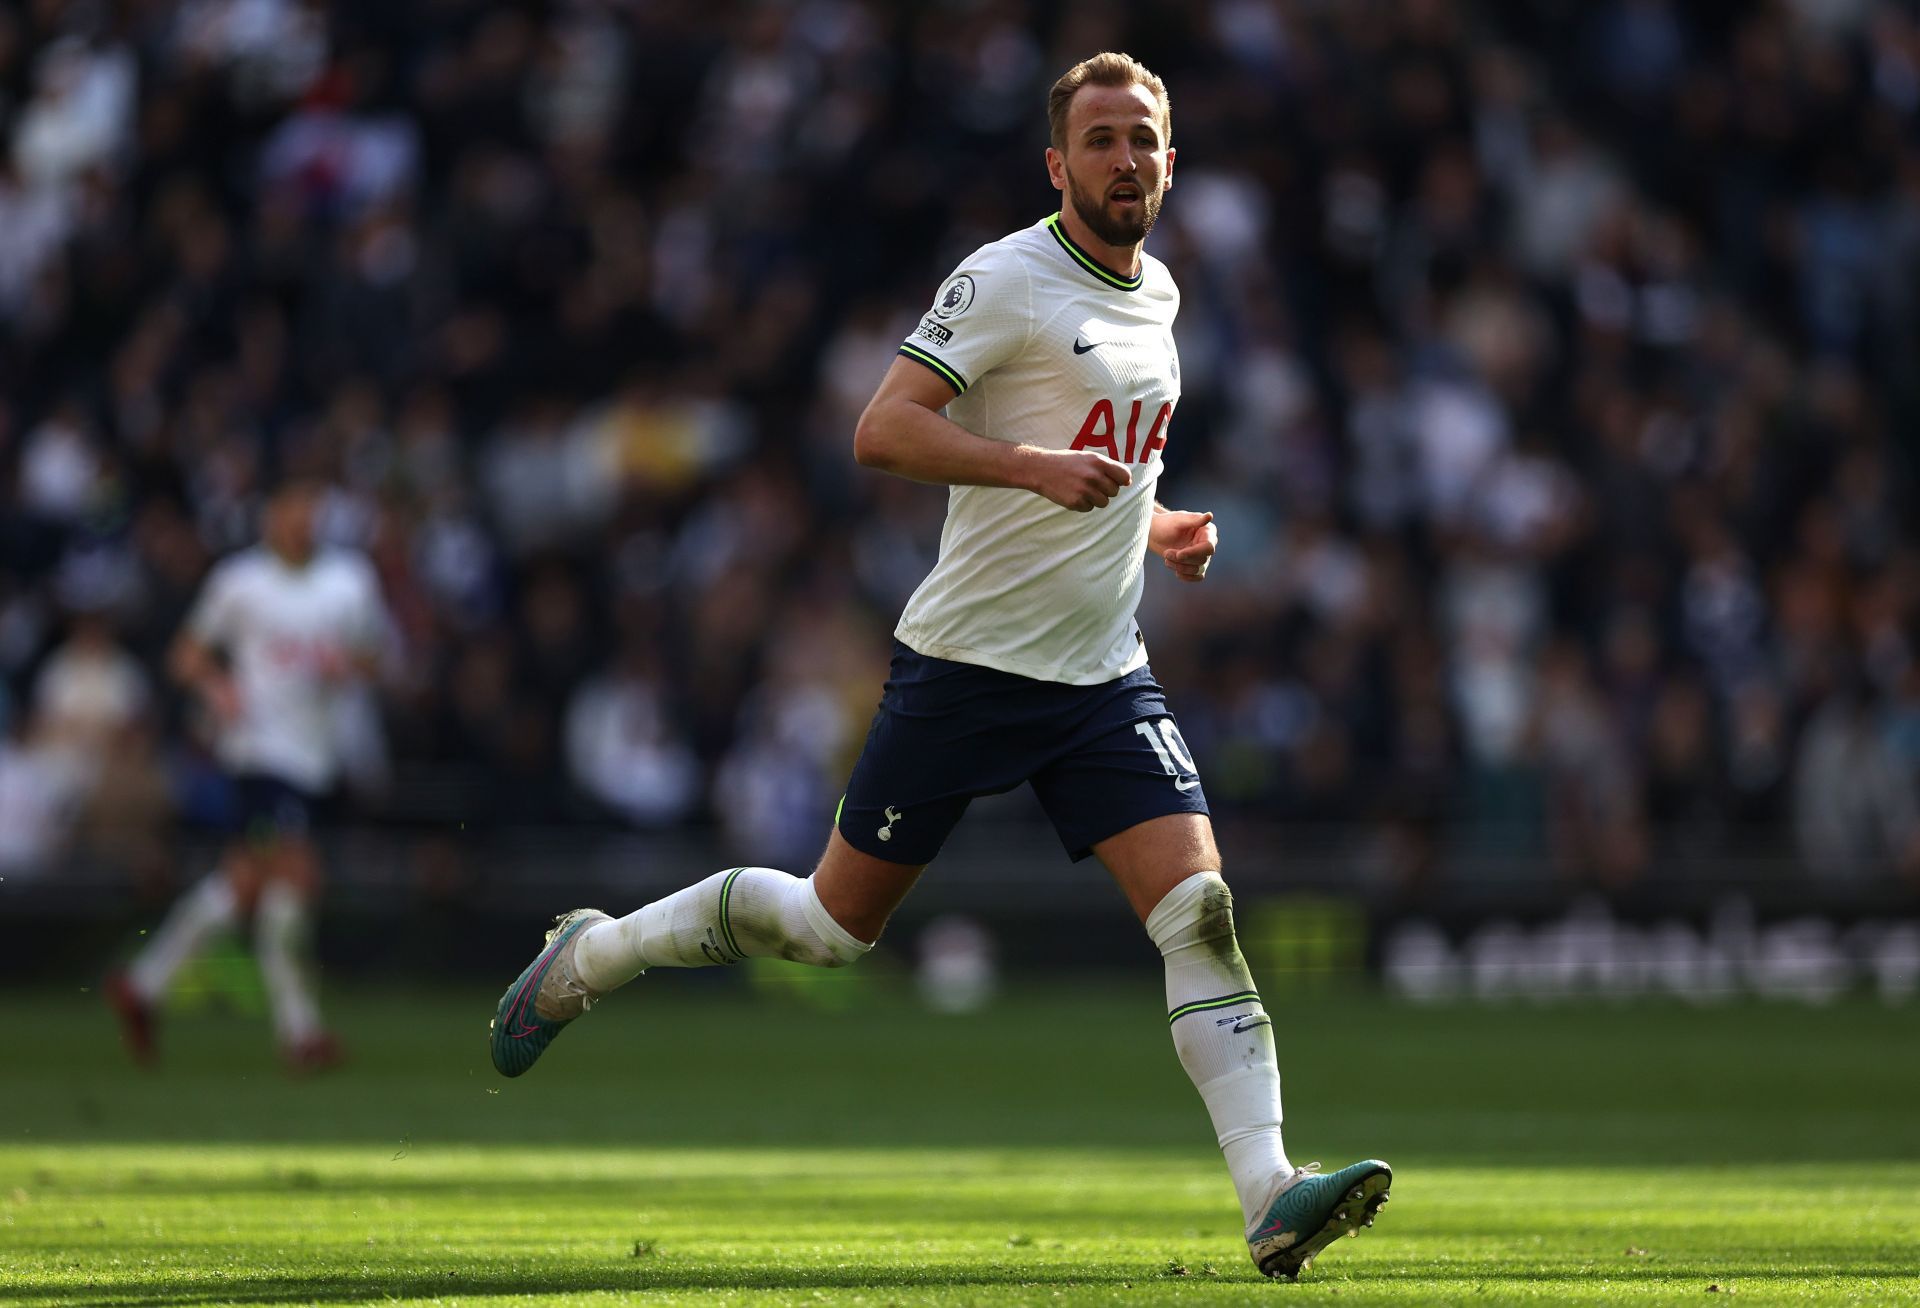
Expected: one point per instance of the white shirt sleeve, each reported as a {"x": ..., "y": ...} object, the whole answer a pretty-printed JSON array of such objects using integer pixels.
[
  {"x": 981, "y": 317},
  {"x": 371, "y": 629},
  {"x": 216, "y": 615}
]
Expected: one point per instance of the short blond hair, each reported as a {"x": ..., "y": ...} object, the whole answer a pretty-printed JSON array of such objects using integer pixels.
[{"x": 1109, "y": 68}]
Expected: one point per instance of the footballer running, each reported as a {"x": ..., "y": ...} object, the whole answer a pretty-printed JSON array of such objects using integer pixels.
[
  {"x": 278, "y": 633},
  {"x": 1040, "y": 386}
]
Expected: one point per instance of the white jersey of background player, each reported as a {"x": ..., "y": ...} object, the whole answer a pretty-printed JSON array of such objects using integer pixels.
[
  {"x": 292, "y": 635},
  {"x": 1037, "y": 349},
  {"x": 279, "y": 634}
]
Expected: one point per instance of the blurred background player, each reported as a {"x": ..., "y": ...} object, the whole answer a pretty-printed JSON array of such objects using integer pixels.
[
  {"x": 1040, "y": 387},
  {"x": 279, "y": 633}
]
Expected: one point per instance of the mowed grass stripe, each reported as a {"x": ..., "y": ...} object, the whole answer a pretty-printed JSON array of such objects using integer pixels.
[
  {"x": 849, "y": 1059},
  {"x": 177, "y": 1225},
  {"x": 1046, "y": 1151}
]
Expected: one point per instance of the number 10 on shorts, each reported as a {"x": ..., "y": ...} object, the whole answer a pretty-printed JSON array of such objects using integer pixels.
[{"x": 1171, "y": 750}]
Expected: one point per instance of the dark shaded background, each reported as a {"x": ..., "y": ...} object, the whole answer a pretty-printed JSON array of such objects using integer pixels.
[{"x": 1549, "y": 366}]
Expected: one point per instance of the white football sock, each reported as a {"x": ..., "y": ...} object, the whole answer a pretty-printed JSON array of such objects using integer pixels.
[
  {"x": 744, "y": 912},
  {"x": 282, "y": 932},
  {"x": 1222, "y": 1033},
  {"x": 195, "y": 918}
]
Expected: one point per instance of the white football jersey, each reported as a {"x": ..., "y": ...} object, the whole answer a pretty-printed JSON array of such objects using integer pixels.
[
  {"x": 1045, "y": 346},
  {"x": 283, "y": 628}
]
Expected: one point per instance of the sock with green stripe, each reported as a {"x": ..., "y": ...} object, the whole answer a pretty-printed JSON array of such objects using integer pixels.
[
  {"x": 1222, "y": 1033},
  {"x": 744, "y": 912}
]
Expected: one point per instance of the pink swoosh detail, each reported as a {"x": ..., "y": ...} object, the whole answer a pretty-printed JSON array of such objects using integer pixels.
[
  {"x": 527, "y": 987},
  {"x": 1275, "y": 1229}
]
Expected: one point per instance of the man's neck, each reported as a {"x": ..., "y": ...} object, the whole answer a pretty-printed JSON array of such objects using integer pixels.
[{"x": 1123, "y": 259}]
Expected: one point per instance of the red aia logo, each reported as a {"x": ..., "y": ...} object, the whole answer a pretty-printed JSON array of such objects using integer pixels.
[
  {"x": 311, "y": 654},
  {"x": 1098, "y": 432}
]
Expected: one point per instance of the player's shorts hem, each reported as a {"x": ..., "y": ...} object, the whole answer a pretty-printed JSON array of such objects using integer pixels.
[
  {"x": 1079, "y": 847},
  {"x": 268, "y": 806},
  {"x": 873, "y": 848}
]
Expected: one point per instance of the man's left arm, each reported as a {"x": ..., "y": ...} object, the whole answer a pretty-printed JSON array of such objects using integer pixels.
[
  {"x": 1184, "y": 541},
  {"x": 363, "y": 655}
]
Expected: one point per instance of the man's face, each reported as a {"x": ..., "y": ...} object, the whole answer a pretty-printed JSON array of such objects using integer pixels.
[
  {"x": 1117, "y": 165},
  {"x": 287, "y": 525}
]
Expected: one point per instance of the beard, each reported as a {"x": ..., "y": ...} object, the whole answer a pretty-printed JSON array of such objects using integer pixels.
[{"x": 1121, "y": 230}]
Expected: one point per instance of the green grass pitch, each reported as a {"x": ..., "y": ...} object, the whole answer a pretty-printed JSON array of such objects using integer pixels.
[{"x": 695, "y": 1141}]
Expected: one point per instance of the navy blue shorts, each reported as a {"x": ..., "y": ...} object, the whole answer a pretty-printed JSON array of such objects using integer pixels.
[
  {"x": 266, "y": 807},
  {"x": 1101, "y": 758}
]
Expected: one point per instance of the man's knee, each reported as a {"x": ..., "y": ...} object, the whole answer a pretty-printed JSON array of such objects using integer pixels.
[
  {"x": 857, "y": 891},
  {"x": 1197, "y": 913},
  {"x": 244, "y": 876},
  {"x": 781, "y": 916},
  {"x": 292, "y": 861}
]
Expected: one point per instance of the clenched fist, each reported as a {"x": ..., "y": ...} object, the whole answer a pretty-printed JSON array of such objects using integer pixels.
[
  {"x": 1078, "y": 479},
  {"x": 1185, "y": 542}
]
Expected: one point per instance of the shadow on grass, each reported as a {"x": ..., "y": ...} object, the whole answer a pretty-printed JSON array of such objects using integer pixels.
[
  {"x": 339, "y": 1288},
  {"x": 538, "y": 1283}
]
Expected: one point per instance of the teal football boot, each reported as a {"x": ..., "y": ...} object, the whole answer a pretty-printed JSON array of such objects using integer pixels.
[
  {"x": 1312, "y": 1211},
  {"x": 543, "y": 999}
]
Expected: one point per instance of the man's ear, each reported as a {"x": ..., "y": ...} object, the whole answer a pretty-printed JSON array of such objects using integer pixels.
[
  {"x": 1057, "y": 169},
  {"x": 1166, "y": 182}
]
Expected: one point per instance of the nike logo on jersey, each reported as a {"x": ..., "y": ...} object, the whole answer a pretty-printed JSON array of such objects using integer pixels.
[
  {"x": 1078, "y": 348},
  {"x": 1185, "y": 783}
]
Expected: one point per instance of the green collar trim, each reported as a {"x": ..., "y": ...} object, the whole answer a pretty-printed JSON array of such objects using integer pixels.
[{"x": 1091, "y": 264}]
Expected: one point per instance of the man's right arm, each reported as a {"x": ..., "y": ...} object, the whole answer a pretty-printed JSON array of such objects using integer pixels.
[
  {"x": 193, "y": 661},
  {"x": 903, "y": 432},
  {"x": 197, "y": 670}
]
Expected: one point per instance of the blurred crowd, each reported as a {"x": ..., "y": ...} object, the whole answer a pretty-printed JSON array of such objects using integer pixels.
[{"x": 1549, "y": 366}]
